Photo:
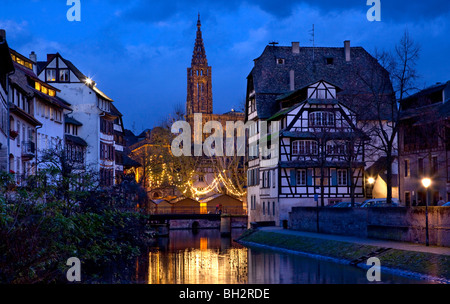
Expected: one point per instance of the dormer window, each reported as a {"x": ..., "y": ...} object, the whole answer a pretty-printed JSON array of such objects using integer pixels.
[
  {"x": 252, "y": 105},
  {"x": 280, "y": 61},
  {"x": 64, "y": 75},
  {"x": 321, "y": 90},
  {"x": 43, "y": 89},
  {"x": 51, "y": 75},
  {"x": 22, "y": 62}
]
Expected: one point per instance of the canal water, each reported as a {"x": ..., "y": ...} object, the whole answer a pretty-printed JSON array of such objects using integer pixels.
[{"x": 204, "y": 257}]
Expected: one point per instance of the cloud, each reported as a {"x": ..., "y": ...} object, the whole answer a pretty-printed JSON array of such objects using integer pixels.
[{"x": 392, "y": 11}]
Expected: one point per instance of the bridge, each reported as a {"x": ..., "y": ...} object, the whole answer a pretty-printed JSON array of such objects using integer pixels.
[{"x": 165, "y": 222}]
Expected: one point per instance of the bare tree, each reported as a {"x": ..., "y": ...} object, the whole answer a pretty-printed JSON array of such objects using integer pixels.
[{"x": 379, "y": 100}]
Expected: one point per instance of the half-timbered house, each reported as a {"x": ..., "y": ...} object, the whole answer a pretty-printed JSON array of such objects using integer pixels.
[
  {"x": 318, "y": 96},
  {"x": 321, "y": 153}
]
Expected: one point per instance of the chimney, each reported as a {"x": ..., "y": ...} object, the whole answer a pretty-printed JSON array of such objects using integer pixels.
[
  {"x": 2, "y": 35},
  {"x": 33, "y": 58},
  {"x": 295, "y": 47},
  {"x": 347, "y": 50},
  {"x": 292, "y": 80},
  {"x": 50, "y": 57}
]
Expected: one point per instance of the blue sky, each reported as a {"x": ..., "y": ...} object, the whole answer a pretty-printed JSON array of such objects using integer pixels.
[{"x": 138, "y": 50}]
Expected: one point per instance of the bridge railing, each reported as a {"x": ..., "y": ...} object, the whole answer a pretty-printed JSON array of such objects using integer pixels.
[{"x": 198, "y": 210}]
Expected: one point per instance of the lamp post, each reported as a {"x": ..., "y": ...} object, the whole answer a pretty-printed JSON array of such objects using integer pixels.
[
  {"x": 371, "y": 181},
  {"x": 426, "y": 182}
]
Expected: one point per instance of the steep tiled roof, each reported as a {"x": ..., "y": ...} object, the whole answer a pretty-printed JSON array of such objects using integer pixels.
[
  {"x": 76, "y": 140},
  {"x": 71, "y": 120},
  {"x": 129, "y": 162},
  {"x": 115, "y": 111},
  {"x": 270, "y": 79},
  {"x": 20, "y": 79},
  {"x": 41, "y": 65},
  {"x": 6, "y": 63},
  {"x": 427, "y": 91}
]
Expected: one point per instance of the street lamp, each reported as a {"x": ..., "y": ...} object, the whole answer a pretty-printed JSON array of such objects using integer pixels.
[
  {"x": 426, "y": 182},
  {"x": 371, "y": 181}
]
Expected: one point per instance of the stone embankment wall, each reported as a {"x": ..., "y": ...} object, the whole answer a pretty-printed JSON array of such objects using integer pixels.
[{"x": 398, "y": 224}]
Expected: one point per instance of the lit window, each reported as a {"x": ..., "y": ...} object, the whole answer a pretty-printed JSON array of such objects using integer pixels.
[
  {"x": 51, "y": 75},
  {"x": 51, "y": 93},
  {"x": 44, "y": 90},
  {"x": 37, "y": 86}
]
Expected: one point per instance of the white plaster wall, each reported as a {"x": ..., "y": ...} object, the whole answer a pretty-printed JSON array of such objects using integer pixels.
[{"x": 85, "y": 110}]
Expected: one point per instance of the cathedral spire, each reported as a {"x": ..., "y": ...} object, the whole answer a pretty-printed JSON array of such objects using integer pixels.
[
  {"x": 199, "y": 91},
  {"x": 199, "y": 55}
]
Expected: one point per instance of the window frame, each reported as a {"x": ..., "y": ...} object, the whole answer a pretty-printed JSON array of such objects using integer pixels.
[
  {"x": 326, "y": 119},
  {"x": 47, "y": 75},
  {"x": 342, "y": 182},
  {"x": 301, "y": 177}
]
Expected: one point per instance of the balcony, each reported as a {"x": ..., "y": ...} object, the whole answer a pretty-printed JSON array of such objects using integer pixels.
[{"x": 28, "y": 150}]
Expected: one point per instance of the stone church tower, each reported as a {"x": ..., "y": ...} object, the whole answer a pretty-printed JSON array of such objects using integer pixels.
[{"x": 199, "y": 88}]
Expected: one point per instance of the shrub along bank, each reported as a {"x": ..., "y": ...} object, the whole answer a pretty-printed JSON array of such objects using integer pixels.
[{"x": 52, "y": 217}]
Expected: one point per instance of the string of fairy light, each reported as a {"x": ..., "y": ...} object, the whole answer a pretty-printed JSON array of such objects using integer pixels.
[
  {"x": 214, "y": 186},
  {"x": 156, "y": 180}
]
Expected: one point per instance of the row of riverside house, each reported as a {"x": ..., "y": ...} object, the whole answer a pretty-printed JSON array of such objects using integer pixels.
[{"x": 52, "y": 106}]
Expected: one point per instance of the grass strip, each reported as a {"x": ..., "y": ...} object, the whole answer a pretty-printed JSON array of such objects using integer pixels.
[{"x": 420, "y": 262}]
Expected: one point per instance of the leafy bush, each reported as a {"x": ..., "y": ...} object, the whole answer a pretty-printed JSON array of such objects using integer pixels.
[{"x": 53, "y": 216}]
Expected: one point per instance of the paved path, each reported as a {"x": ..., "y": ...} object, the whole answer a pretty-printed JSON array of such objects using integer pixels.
[{"x": 363, "y": 241}]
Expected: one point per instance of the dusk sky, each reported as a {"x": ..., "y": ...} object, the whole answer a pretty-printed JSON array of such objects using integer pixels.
[{"x": 138, "y": 50}]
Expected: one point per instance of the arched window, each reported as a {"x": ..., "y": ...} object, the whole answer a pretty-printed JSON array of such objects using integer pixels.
[{"x": 321, "y": 119}]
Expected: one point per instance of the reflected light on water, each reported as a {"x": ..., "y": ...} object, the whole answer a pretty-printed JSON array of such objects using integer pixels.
[
  {"x": 198, "y": 266},
  {"x": 204, "y": 257}
]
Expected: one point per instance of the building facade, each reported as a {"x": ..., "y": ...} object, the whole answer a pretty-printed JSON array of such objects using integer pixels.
[
  {"x": 23, "y": 123},
  {"x": 91, "y": 108},
  {"x": 6, "y": 68},
  {"x": 305, "y": 86},
  {"x": 424, "y": 145}
]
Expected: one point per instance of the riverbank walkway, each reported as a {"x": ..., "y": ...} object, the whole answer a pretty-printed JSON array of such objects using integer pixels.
[{"x": 362, "y": 241}]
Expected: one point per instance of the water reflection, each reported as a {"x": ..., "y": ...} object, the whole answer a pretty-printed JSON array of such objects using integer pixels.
[
  {"x": 206, "y": 258},
  {"x": 202, "y": 258},
  {"x": 270, "y": 267}
]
